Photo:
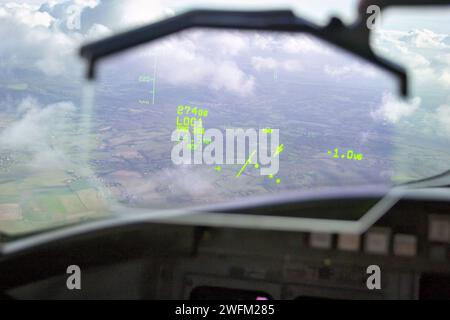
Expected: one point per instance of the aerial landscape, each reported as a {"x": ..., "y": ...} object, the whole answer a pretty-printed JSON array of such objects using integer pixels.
[{"x": 78, "y": 158}]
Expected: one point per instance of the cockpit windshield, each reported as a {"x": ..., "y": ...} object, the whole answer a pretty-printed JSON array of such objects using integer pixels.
[{"x": 207, "y": 116}]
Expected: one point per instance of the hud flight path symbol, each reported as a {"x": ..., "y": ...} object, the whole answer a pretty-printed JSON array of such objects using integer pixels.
[
  {"x": 280, "y": 149},
  {"x": 148, "y": 79},
  {"x": 246, "y": 164}
]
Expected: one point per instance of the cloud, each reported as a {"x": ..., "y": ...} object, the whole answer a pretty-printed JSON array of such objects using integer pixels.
[
  {"x": 37, "y": 44},
  {"x": 263, "y": 42},
  {"x": 231, "y": 78},
  {"x": 119, "y": 15},
  {"x": 47, "y": 36},
  {"x": 444, "y": 58},
  {"x": 261, "y": 63},
  {"x": 47, "y": 39},
  {"x": 67, "y": 13},
  {"x": 421, "y": 51},
  {"x": 390, "y": 43},
  {"x": 443, "y": 117},
  {"x": 36, "y": 132},
  {"x": 293, "y": 44},
  {"x": 415, "y": 40},
  {"x": 413, "y": 59},
  {"x": 192, "y": 59},
  {"x": 350, "y": 70},
  {"x": 228, "y": 43},
  {"x": 445, "y": 78},
  {"x": 26, "y": 14},
  {"x": 269, "y": 63},
  {"x": 98, "y": 31},
  {"x": 393, "y": 110},
  {"x": 43, "y": 42},
  {"x": 137, "y": 12},
  {"x": 302, "y": 44},
  {"x": 425, "y": 39}
]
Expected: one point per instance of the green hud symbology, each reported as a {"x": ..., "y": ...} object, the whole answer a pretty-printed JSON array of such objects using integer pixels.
[
  {"x": 348, "y": 155},
  {"x": 151, "y": 80},
  {"x": 192, "y": 118}
]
